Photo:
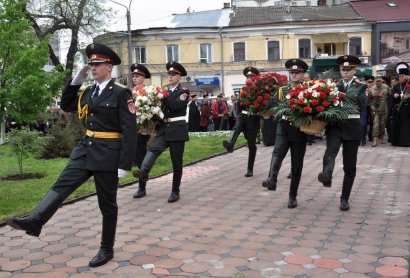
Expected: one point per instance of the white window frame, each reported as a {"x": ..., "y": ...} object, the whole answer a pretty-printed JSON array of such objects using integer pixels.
[
  {"x": 233, "y": 51},
  {"x": 298, "y": 49},
  {"x": 138, "y": 60},
  {"x": 267, "y": 50},
  {"x": 173, "y": 53},
  {"x": 209, "y": 53},
  {"x": 361, "y": 45}
]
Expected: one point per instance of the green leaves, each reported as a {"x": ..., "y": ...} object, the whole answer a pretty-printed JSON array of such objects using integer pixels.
[{"x": 25, "y": 88}]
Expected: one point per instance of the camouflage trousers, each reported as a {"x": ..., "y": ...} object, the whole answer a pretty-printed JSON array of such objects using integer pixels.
[{"x": 379, "y": 125}]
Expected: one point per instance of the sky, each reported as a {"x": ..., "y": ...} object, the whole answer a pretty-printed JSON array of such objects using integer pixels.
[{"x": 151, "y": 10}]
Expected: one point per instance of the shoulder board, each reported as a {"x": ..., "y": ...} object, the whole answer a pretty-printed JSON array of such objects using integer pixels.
[{"x": 119, "y": 84}]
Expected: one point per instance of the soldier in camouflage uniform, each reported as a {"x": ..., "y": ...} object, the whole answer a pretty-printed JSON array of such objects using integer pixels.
[{"x": 378, "y": 101}]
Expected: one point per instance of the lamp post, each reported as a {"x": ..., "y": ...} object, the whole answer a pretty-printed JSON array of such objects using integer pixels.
[{"x": 128, "y": 15}]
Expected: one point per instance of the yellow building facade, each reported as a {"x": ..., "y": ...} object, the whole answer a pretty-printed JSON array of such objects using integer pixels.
[{"x": 214, "y": 56}]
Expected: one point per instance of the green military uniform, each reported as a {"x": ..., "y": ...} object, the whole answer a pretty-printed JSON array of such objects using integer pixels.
[{"x": 378, "y": 100}]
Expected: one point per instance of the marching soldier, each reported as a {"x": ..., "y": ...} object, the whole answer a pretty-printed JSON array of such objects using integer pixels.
[
  {"x": 288, "y": 136},
  {"x": 139, "y": 74},
  {"x": 347, "y": 132},
  {"x": 247, "y": 123},
  {"x": 106, "y": 152},
  {"x": 172, "y": 132}
]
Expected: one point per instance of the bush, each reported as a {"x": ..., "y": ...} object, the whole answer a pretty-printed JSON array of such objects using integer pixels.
[
  {"x": 65, "y": 132},
  {"x": 24, "y": 142}
]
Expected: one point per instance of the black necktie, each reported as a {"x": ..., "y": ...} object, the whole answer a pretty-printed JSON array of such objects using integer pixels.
[
  {"x": 346, "y": 87},
  {"x": 96, "y": 92}
]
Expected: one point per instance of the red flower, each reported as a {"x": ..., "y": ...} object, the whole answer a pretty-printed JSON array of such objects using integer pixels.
[
  {"x": 320, "y": 108},
  {"x": 315, "y": 102},
  {"x": 260, "y": 89},
  {"x": 325, "y": 103},
  {"x": 342, "y": 95},
  {"x": 301, "y": 101},
  {"x": 307, "y": 109},
  {"x": 322, "y": 95},
  {"x": 408, "y": 86},
  {"x": 308, "y": 94}
]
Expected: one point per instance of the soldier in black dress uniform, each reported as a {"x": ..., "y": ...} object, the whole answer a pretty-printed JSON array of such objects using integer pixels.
[
  {"x": 193, "y": 114},
  {"x": 288, "y": 136},
  {"x": 106, "y": 152},
  {"x": 172, "y": 132},
  {"x": 247, "y": 123},
  {"x": 347, "y": 132},
  {"x": 139, "y": 74}
]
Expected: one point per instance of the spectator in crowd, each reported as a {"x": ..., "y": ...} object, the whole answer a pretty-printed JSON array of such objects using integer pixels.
[
  {"x": 379, "y": 95},
  {"x": 220, "y": 113},
  {"x": 206, "y": 114}
]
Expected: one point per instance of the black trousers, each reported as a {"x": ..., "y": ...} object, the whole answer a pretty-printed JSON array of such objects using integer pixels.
[
  {"x": 350, "y": 149},
  {"x": 297, "y": 154},
  {"x": 176, "y": 150},
  {"x": 142, "y": 142},
  {"x": 106, "y": 183}
]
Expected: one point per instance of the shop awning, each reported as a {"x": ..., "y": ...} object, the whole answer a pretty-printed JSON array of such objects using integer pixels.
[{"x": 330, "y": 38}]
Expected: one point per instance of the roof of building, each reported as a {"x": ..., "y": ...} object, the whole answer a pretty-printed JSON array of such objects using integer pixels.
[
  {"x": 204, "y": 19},
  {"x": 383, "y": 10},
  {"x": 244, "y": 16}
]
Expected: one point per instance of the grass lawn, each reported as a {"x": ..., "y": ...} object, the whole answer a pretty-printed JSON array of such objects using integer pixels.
[{"x": 20, "y": 197}]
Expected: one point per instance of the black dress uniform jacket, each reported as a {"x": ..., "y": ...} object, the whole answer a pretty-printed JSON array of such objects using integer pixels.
[
  {"x": 248, "y": 121},
  {"x": 350, "y": 129},
  {"x": 174, "y": 106},
  {"x": 111, "y": 111}
]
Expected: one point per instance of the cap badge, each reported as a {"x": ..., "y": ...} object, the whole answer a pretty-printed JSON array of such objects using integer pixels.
[
  {"x": 171, "y": 69},
  {"x": 294, "y": 67},
  {"x": 346, "y": 64}
]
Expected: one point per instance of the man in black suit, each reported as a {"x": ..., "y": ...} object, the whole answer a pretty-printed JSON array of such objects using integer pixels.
[
  {"x": 172, "y": 132},
  {"x": 347, "y": 132},
  {"x": 193, "y": 114},
  {"x": 106, "y": 152},
  {"x": 249, "y": 124},
  {"x": 139, "y": 74},
  {"x": 288, "y": 136}
]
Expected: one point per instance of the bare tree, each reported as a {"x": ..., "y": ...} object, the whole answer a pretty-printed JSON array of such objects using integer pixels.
[{"x": 75, "y": 18}]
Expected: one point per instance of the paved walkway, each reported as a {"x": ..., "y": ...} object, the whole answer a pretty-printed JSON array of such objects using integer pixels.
[{"x": 226, "y": 225}]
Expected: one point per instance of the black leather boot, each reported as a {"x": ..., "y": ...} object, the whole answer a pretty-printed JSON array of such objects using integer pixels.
[
  {"x": 230, "y": 143},
  {"x": 346, "y": 190},
  {"x": 344, "y": 205},
  {"x": 106, "y": 251},
  {"x": 292, "y": 203},
  {"x": 325, "y": 177},
  {"x": 275, "y": 165},
  {"x": 141, "y": 190},
  {"x": 251, "y": 163},
  {"x": 33, "y": 223},
  {"x": 176, "y": 183},
  {"x": 147, "y": 163}
]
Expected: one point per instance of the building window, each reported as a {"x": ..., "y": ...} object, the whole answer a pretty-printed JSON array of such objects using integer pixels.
[
  {"x": 330, "y": 48},
  {"x": 238, "y": 51},
  {"x": 172, "y": 53},
  {"x": 205, "y": 52},
  {"x": 273, "y": 51},
  {"x": 355, "y": 46},
  {"x": 304, "y": 48},
  {"x": 140, "y": 55}
]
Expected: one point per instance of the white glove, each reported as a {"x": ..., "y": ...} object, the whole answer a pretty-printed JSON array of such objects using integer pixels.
[
  {"x": 122, "y": 173},
  {"x": 81, "y": 76}
]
